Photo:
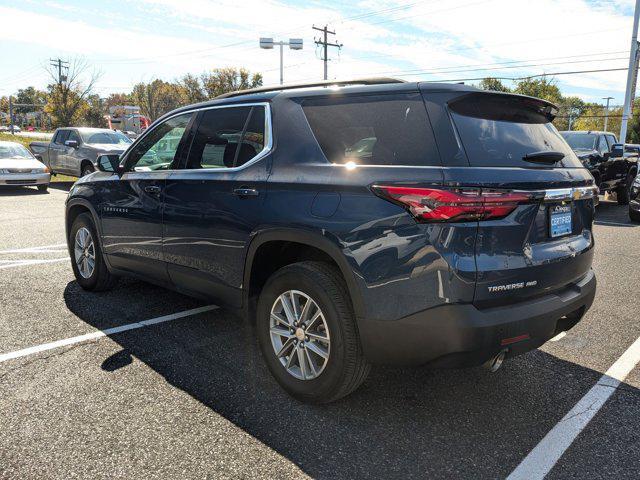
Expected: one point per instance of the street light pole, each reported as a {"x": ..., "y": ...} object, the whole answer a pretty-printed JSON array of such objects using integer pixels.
[
  {"x": 632, "y": 75},
  {"x": 294, "y": 44},
  {"x": 606, "y": 112}
]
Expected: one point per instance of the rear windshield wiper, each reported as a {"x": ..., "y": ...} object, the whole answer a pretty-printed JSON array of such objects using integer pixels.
[{"x": 546, "y": 157}]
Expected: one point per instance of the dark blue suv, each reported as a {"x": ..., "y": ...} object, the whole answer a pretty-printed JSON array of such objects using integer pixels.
[{"x": 357, "y": 223}]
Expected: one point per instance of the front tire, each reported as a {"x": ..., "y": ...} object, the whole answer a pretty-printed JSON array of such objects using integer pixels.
[
  {"x": 43, "y": 188},
  {"x": 87, "y": 169},
  {"x": 634, "y": 216},
  {"x": 308, "y": 334},
  {"x": 87, "y": 261}
]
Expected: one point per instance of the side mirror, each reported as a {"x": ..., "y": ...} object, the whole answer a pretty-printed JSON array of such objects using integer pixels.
[
  {"x": 617, "y": 150},
  {"x": 71, "y": 143},
  {"x": 109, "y": 163}
]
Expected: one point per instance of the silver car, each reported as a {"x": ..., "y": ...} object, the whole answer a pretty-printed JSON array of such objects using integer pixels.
[{"x": 19, "y": 167}]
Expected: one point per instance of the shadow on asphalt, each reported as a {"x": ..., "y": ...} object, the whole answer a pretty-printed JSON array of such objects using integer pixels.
[
  {"x": 13, "y": 191},
  {"x": 610, "y": 212},
  {"x": 64, "y": 186},
  {"x": 402, "y": 423}
]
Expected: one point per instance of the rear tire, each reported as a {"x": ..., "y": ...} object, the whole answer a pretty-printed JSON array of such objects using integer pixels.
[
  {"x": 345, "y": 367},
  {"x": 87, "y": 169},
  {"x": 634, "y": 216},
  {"x": 623, "y": 192},
  {"x": 43, "y": 188},
  {"x": 84, "y": 246}
]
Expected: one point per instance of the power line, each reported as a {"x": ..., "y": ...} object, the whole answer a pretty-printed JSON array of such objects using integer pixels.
[
  {"x": 60, "y": 64},
  {"x": 527, "y": 77}
]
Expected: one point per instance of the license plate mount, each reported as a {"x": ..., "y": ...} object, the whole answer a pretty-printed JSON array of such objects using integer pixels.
[{"x": 560, "y": 220}]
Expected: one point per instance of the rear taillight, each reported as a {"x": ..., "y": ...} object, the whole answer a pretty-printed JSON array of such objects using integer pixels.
[{"x": 453, "y": 205}]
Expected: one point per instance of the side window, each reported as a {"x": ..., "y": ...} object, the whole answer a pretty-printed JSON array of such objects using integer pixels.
[
  {"x": 388, "y": 129},
  {"x": 157, "y": 150},
  {"x": 228, "y": 137},
  {"x": 61, "y": 137},
  {"x": 611, "y": 139},
  {"x": 602, "y": 145},
  {"x": 73, "y": 135}
]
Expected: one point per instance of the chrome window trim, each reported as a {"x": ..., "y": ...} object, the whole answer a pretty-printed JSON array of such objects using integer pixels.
[{"x": 266, "y": 149}]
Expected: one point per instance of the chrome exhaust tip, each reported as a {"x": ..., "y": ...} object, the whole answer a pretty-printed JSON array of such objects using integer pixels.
[{"x": 494, "y": 364}]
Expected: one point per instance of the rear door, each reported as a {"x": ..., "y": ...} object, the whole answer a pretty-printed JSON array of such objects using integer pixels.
[
  {"x": 534, "y": 236},
  {"x": 56, "y": 151}
]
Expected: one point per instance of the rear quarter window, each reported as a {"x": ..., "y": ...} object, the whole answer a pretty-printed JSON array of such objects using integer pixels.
[
  {"x": 499, "y": 130},
  {"x": 373, "y": 130}
]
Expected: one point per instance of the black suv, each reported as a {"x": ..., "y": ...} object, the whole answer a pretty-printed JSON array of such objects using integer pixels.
[
  {"x": 356, "y": 223},
  {"x": 613, "y": 166}
]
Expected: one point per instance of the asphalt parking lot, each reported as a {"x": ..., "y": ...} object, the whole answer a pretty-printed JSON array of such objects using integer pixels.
[{"x": 190, "y": 397}]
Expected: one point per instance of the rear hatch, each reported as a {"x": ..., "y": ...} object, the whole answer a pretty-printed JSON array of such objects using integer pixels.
[{"x": 536, "y": 234}]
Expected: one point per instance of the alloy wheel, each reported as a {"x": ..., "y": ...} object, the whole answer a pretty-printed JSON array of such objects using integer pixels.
[
  {"x": 84, "y": 252},
  {"x": 299, "y": 335}
]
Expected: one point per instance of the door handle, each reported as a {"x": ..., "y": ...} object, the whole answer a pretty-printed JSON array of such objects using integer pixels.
[
  {"x": 152, "y": 189},
  {"x": 246, "y": 192}
]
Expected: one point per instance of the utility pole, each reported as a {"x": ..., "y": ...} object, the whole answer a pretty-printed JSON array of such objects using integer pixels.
[
  {"x": 606, "y": 112},
  {"x": 11, "y": 115},
  {"x": 60, "y": 64},
  {"x": 632, "y": 76},
  {"x": 326, "y": 44}
]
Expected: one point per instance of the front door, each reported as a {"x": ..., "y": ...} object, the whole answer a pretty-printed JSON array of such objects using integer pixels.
[
  {"x": 57, "y": 151},
  {"x": 131, "y": 215},
  {"x": 214, "y": 203}
]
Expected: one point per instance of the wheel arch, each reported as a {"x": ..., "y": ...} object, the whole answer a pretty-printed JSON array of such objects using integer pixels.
[{"x": 310, "y": 241}]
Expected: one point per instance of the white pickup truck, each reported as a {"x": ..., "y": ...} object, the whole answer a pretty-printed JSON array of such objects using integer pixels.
[{"x": 74, "y": 151}]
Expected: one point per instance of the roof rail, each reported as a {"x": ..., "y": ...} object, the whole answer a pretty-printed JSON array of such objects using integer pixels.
[{"x": 325, "y": 83}]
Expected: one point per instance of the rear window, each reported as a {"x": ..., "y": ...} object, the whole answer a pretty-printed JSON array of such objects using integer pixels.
[
  {"x": 373, "y": 129},
  {"x": 499, "y": 130},
  {"x": 581, "y": 141}
]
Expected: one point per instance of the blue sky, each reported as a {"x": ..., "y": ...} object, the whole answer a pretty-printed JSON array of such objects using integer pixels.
[{"x": 132, "y": 41}]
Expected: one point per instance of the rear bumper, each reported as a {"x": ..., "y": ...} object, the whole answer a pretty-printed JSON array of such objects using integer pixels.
[
  {"x": 464, "y": 336},
  {"x": 15, "y": 179}
]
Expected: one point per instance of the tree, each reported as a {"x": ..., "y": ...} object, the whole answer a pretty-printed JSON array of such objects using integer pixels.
[
  {"x": 541, "y": 88},
  {"x": 95, "y": 112},
  {"x": 191, "y": 89},
  {"x": 116, "y": 99},
  {"x": 30, "y": 95},
  {"x": 156, "y": 98},
  {"x": 67, "y": 100},
  {"x": 569, "y": 107},
  {"x": 493, "y": 84},
  {"x": 223, "y": 80}
]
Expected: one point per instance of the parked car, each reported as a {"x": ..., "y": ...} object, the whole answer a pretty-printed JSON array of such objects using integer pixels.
[
  {"x": 605, "y": 158},
  {"x": 477, "y": 249},
  {"x": 73, "y": 151},
  {"x": 634, "y": 200},
  {"x": 10, "y": 128},
  {"x": 18, "y": 167}
]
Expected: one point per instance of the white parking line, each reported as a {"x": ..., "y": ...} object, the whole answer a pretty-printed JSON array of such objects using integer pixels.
[
  {"x": 22, "y": 263},
  {"x": 102, "y": 333},
  {"x": 613, "y": 224},
  {"x": 44, "y": 248},
  {"x": 546, "y": 454}
]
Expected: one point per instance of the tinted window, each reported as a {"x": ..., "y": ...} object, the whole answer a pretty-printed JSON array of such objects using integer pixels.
[
  {"x": 580, "y": 141},
  {"x": 499, "y": 130},
  {"x": 61, "y": 137},
  {"x": 158, "y": 149},
  {"x": 611, "y": 139},
  {"x": 108, "y": 138},
  {"x": 603, "y": 147},
  {"x": 73, "y": 135},
  {"x": 373, "y": 130},
  {"x": 228, "y": 137}
]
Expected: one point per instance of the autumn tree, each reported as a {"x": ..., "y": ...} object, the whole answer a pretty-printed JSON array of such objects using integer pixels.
[
  {"x": 67, "y": 100},
  {"x": 493, "y": 84},
  {"x": 29, "y": 95},
  {"x": 223, "y": 80},
  {"x": 542, "y": 87},
  {"x": 157, "y": 97},
  {"x": 191, "y": 89}
]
